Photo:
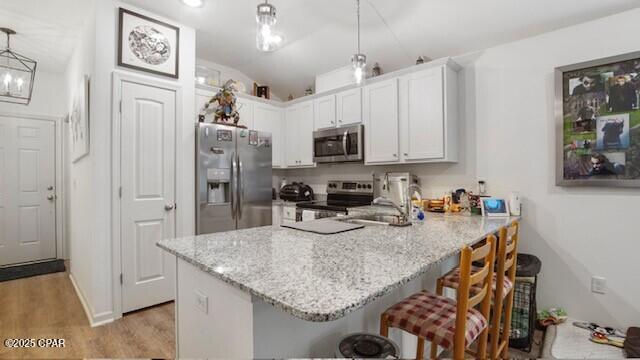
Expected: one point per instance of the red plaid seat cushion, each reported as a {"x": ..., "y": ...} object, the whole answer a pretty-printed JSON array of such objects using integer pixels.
[
  {"x": 433, "y": 317},
  {"x": 452, "y": 280}
]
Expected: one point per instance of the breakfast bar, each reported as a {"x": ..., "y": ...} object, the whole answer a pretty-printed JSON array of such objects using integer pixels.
[{"x": 272, "y": 292}]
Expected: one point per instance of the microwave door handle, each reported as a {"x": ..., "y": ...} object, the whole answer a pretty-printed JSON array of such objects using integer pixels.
[{"x": 344, "y": 142}]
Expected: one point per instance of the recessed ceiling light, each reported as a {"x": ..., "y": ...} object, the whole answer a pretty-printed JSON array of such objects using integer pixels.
[{"x": 193, "y": 3}]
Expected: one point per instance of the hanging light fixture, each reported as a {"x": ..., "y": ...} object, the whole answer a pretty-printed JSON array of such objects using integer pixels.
[
  {"x": 266, "y": 19},
  {"x": 359, "y": 60},
  {"x": 17, "y": 74}
]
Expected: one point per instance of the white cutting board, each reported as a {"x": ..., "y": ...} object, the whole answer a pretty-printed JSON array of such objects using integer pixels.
[{"x": 323, "y": 226}]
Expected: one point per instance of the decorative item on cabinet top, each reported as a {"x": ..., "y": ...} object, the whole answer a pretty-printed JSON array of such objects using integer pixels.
[{"x": 226, "y": 110}]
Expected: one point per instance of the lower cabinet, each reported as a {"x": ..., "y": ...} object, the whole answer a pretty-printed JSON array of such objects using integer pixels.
[{"x": 298, "y": 129}]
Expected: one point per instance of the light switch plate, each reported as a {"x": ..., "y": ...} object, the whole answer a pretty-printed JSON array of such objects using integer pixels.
[
  {"x": 202, "y": 302},
  {"x": 598, "y": 285}
]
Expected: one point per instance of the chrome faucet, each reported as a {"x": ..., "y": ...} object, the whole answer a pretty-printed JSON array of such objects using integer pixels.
[
  {"x": 405, "y": 208},
  {"x": 384, "y": 201}
]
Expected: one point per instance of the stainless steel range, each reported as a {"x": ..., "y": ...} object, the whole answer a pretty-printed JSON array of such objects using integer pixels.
[{"x": 341, "y": 195}]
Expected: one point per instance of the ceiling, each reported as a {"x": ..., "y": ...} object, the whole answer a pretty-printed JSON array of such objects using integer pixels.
[
  {"x": 47, "y": 30},
  {"x": 319, "y": 34}
]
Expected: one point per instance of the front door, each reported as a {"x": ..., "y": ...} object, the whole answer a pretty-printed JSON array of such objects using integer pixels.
[
  {"x": 27, "y": 190},
  {"x": 148, "y": 152}
]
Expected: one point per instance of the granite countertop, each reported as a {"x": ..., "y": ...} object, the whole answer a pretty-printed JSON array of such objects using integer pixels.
[{"x": 324, "y": 277}]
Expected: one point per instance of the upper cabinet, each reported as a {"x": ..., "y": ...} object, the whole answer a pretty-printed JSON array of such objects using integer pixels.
[
  {"x": 325, "y": 112},
  {"x": 428, "y": 115},
  {"x": 349, "y": 107},
  {"x": 268, "y": 118},
  {"x": 299, "y": 134},
  {"x": 380, "y": 104},
  {"x": 412, "y": 118},
  {"x": 341, "y": 109},
  {"x": 245, "y": 109}
]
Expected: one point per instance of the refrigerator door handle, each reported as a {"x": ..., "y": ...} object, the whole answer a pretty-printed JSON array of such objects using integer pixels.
[
  {"x": 240, "y": 181},
  {"x": 233, "y": 179}
]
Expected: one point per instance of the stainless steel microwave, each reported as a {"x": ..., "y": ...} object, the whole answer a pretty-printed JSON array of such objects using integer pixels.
[{"x": 345, "y": 144}]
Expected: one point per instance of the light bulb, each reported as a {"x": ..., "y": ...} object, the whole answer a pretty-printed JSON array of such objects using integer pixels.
[
  {"x": 358, "y": 73},
  {"x": 265, "y": 31},
  {"x": 7, "y": 82},
  {"x": 19, "y": 83}
]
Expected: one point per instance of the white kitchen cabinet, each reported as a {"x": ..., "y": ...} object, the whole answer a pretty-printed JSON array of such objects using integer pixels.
[
  {"x": 299, "y": 134},
  {"x": 428, "y": 115},
  {"x": 269, "y": 118},
  {"x": 325, "y": 112},
  {"x": 349, "y": 107},
  {"x": 380, "y": 115},
  {"x": 245, "y": 109}
]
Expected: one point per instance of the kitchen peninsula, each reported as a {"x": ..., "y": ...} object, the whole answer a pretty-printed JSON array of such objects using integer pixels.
[{"x": 272, "y": 292}]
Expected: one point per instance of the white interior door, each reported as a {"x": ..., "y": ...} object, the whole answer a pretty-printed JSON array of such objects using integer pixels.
[
  {"x": 148, "y": 125},
  {"x": 27, "y": 190}
]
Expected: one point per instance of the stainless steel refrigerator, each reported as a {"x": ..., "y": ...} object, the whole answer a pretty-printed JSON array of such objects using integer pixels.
[{"x": 233, "y": 178}]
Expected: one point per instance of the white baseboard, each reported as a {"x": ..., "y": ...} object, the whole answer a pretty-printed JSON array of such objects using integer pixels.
[{"x": 94, "y": 320}]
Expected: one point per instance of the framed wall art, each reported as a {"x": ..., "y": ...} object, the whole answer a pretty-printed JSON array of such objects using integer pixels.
[
  {"x": 79, "y": 121},
  {"x": 598, "y": 122},
  {"x": 148, "y": 45}
]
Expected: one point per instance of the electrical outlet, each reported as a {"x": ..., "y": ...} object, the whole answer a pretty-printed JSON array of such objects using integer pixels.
[
  {"x": 202, "y": 302},
  {"x": 598, "y": 285}
]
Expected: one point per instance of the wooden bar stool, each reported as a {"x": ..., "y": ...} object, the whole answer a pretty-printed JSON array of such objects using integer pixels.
[
  {"x": 505, "y": 274},
  {"x": 446, "y": 322}
]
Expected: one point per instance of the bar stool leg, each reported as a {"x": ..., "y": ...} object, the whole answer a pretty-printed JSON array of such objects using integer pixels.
[
  {"x": 384, "y": 325},
  {"x": 495, "y": 327},
  {"x": 507, "y": 325},
  {"x": 439, "y": 291},
  {"x": 420, "y": 349}
]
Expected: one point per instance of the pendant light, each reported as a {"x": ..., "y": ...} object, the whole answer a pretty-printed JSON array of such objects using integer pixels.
[
  {"x": 266, "y": 20},
  {"x": 359, "y": 60},
  {"x": 17, "y": 74}
]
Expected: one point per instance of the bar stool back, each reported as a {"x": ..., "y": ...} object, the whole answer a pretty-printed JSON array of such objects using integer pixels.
[
  {"x": 448, "y": 323},
  {"x": 505, "y": 270}
]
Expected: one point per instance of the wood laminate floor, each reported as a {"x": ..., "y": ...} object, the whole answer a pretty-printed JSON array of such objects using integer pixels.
[{"x": 47, "y": 306}]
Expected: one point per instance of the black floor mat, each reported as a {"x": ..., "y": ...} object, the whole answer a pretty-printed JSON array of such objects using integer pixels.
[{"x": 23, "y": 271}]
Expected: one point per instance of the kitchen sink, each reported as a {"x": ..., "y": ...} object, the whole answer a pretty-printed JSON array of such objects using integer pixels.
[{"x": 376, "y": 219}]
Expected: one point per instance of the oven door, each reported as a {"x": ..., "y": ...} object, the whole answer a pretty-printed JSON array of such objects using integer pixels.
[{"x": 339, "y": 145}]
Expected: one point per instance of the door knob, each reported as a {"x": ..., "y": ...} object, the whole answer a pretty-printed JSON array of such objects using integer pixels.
[
  {"x": 51, "y": 197},
  {"x": 406, "y": 154},
  {"x": 50, "y": 188},
  {"x": 168, "y": 207}
]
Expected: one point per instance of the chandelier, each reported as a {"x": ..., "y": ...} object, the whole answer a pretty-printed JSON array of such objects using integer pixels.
[
  {"x": 358, "y": 60},
  {"x": 266, "y": 19},
  {"x": 17, "y": 74}
]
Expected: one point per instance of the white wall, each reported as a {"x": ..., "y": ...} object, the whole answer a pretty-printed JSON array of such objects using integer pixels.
[
  {"x": 79, "y": 198},
  {"x": 94, "y": 263},
  {"x": 577, "y": 232}
]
